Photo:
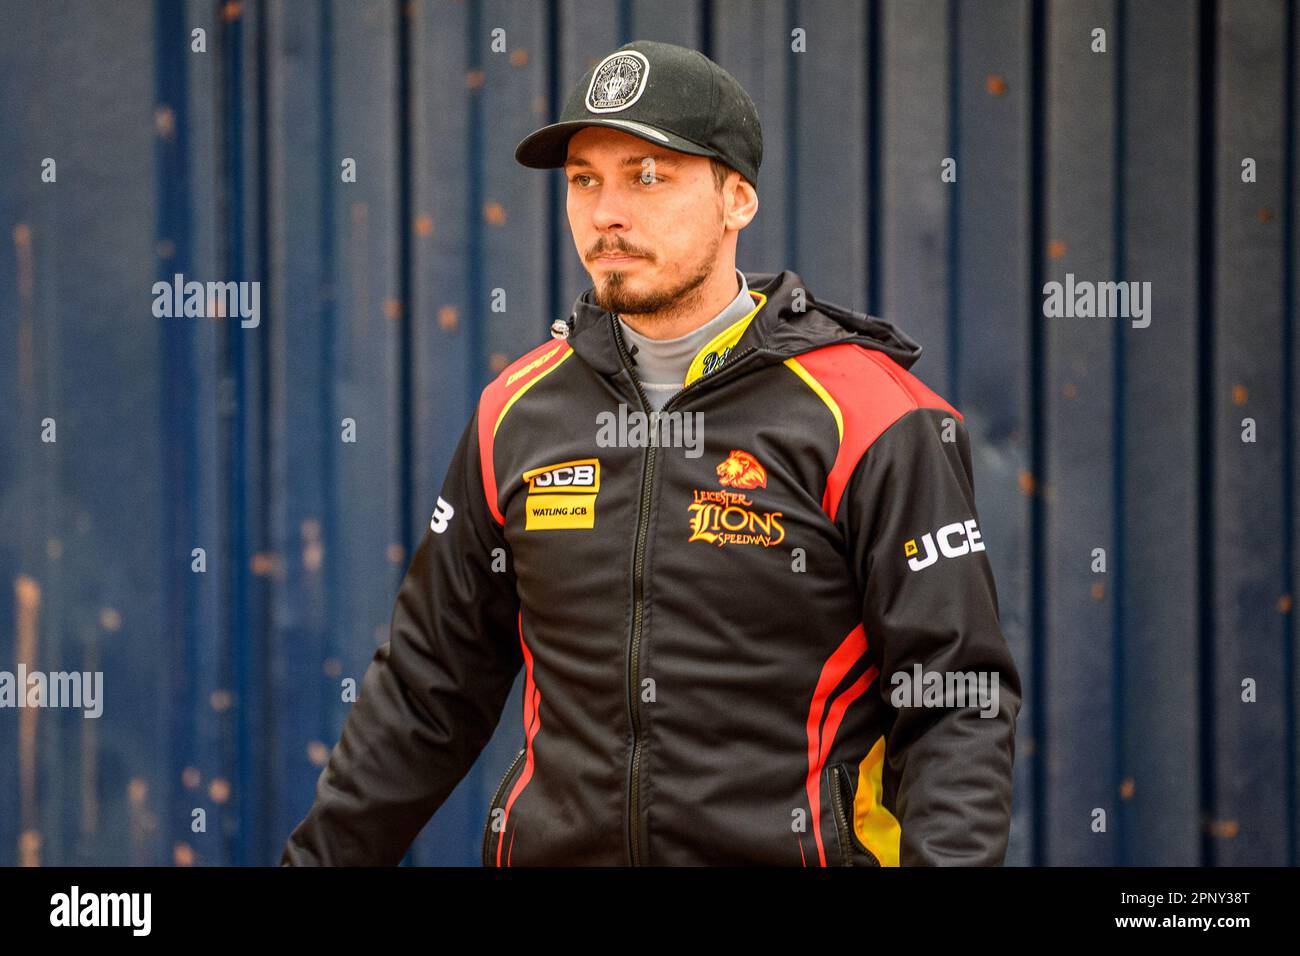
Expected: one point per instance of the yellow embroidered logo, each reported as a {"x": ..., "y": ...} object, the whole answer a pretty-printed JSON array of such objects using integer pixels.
[
  {"x": 562, "y": 495},
  {"x": 514, "y": 376},
  {"x": 727, "y": 517}
]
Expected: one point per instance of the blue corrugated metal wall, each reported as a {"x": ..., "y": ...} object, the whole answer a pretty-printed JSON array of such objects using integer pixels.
[{"x": 222, "y": 687}]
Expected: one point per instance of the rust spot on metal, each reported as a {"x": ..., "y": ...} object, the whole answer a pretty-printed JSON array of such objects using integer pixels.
[
  {"x": 263, "y": 563},
  {"x": 317, "y": 753},
  {"x": 29, "y": 848},
  {"x": 164, "y": 122},
  {"x": 1223, "y": 829}
]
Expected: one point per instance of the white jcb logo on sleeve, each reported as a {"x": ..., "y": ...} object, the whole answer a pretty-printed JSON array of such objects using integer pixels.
[
  {"x": 441, "y": 515},
  {"x": 967, "y": 537}
]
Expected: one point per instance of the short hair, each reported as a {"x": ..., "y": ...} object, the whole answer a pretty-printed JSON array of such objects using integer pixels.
[{"x": 720, "y": 171}]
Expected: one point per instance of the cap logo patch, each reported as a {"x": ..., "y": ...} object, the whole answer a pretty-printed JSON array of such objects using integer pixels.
[{"x": 617, "y": 82}]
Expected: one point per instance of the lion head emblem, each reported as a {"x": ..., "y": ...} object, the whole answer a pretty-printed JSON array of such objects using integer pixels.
[{"x": 740, "y": 469}]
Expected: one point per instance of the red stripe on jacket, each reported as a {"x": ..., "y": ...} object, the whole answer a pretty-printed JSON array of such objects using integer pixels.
[
  {"x": 494, "y": 399},
  {"x": 872, "y": 391},
  {"x": 820, "y": 738}
]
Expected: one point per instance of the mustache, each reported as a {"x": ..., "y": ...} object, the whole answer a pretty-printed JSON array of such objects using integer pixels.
[{"x": 619, "y": 249}]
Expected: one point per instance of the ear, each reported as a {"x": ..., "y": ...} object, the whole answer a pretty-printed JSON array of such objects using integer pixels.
[{"x": 742, "y": 200}]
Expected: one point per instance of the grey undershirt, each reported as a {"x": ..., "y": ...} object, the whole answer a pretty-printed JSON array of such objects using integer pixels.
[{"x": 661, "y": 364}]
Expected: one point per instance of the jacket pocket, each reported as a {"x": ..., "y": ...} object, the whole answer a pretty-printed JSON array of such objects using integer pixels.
[
  {"x": 498, "y": 800},
  {"x": 843, "y": 792}
]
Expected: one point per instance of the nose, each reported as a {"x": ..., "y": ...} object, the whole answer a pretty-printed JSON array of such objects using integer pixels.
[{"x": 609, "y": 212}]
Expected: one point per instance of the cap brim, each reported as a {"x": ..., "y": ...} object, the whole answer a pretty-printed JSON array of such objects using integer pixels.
[{"x": 548, "y": 147}]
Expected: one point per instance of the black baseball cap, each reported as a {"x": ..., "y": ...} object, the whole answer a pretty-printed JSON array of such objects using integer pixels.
[{"x": 666, "y": 94}]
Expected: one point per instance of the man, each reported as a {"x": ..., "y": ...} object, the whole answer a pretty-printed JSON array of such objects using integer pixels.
[{"x": 730, "y": 540}]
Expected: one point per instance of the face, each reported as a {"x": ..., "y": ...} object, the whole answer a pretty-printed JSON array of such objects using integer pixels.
[{"x": 649, "y": 223}]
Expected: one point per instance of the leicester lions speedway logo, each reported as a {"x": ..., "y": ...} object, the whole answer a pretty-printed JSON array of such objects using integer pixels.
[
  {"x": 728, "y": 517},
  {"x": 742, "y": 470}
]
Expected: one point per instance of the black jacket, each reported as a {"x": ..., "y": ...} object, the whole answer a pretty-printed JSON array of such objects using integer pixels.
[{"x": 710, "y": 629}]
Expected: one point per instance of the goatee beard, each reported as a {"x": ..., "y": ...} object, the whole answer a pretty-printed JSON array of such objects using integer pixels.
[{"x": 614, "y": 295}]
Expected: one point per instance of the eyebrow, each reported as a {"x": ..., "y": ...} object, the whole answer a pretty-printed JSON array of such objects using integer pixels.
[{"x": 666, "y": 159}]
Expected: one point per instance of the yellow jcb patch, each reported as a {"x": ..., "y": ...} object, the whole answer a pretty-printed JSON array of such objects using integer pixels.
[{"x": 562, "y": 495}]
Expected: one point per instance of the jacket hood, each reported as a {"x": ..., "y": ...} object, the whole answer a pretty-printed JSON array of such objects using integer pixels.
[{"x": 790, "y": 321}]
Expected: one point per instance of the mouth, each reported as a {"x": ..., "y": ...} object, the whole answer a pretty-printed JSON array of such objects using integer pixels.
[{"x": 616, "y": 258}]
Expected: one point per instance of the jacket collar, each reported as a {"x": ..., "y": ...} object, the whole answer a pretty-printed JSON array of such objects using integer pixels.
[{"x": 788, "y": 321}]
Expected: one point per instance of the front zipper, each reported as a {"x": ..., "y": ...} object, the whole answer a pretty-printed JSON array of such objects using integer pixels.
[
  {"x": 487, "y": 827},
  {"x": 842, "y": 829},
  {"x": 638, "y": 570},
  {"x": 638, "y": 567}
]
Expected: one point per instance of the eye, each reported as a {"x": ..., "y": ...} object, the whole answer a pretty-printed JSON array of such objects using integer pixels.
[
  {"x": 647, "y": 178},
  {"x": 576, "y": 176}
]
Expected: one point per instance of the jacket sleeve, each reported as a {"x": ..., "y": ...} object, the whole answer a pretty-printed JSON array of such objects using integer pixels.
[
  {"x": 434, "y": 691},
  {"x": 929, "y": 601}
]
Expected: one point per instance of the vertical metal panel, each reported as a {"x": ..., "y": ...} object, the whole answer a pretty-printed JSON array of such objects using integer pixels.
[
  {"x": 1078, "y": 414},
  {"x": 1156, "y": 575},
  {"x": 829, "y": 153},
  {"x": 261, "y": 564},
  {"x": 199, "y": 404},
  {"x": 914, "y": 201},
  {"x": 513, "y": 209},
  {"x": 102, "y": 598},
  {"x": 751, "y": 41},
  {"x": 20, "y": 444},
  {"x": 1290, "y": 531},
  {"x": 449, "y": 367},
  {"x": 1248, "y": 814},
  {"x": 447, "y": 372},
  {"x": 365, "y": 549},
  {"x": 241, "y": 358},
  {"x": 668, "y": 21},
  {"x": 29, "y": 466},
  {"x": 303, "y": 435},
  {"x": 990, "y": 330},
  {"x": 82, "y": 558}
]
